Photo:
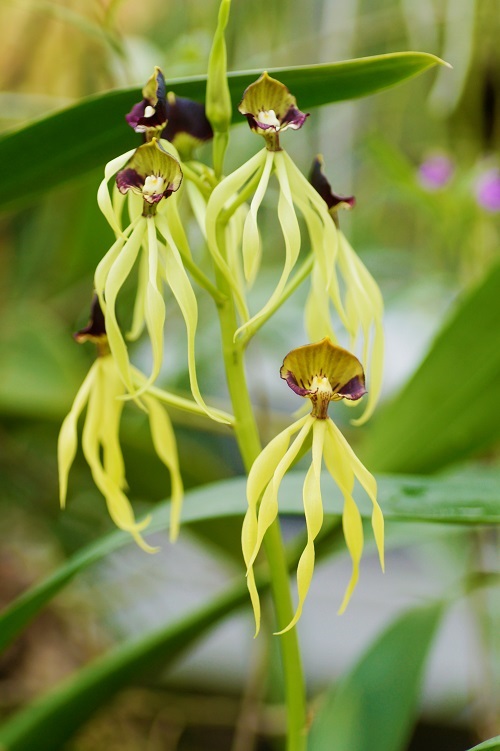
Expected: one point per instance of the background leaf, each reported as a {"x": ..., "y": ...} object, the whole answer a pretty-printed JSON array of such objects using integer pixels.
[
  {"x": 49, "y": 722},
  {"x": 449, "y": 408},
  {"x": 463, "y": 499},
  {"x": 374, "y": 705},
  {"x": 75, "y": 140},
  {"x": 493, "y": 744}
]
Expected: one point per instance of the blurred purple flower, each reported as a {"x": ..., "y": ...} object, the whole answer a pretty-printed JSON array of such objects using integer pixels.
[
  {"x": 436, "y": 172},
  {"x": 488, "y": 190}
]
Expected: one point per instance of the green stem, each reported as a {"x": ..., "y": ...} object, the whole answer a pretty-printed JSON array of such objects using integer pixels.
[
  {"x": 202, "y": 280},
  {"x": 290, "y": 288},
  {"x": 247, "y": 436},
  {"x": 190, "y": 174},
  {"x": 242, "y": 196}
]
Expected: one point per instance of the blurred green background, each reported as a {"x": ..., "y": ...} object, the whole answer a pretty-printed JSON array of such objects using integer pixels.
[{"x": 423, "y": 162}]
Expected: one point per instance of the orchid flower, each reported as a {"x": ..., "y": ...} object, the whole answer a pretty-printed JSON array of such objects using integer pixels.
[
  {"x": 362, "y": 301},
  {"x": 102, "y": 394},
  {"x": 322, "y": 372},
  {"x": 156, "y": 237},
  {"x": 271, "y": 109}
]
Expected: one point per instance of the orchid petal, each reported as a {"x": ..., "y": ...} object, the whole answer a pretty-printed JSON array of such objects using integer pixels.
[
  {"x": 251, "y": 245},
  {"x": 103, "y": 197},
  {"x": 339, "y": 466},
  {"x": 68, "y": 436},
  {"x": 368, "y": 482},
  {"x": 268, "y": 509},
  {"x": 165, "y": 446},
  {"x": 117, "y": 275},
  {"x": 313, "y": 510},
  {"x": 112, "y": 408},
  {"x": 291, "y": 234},
  {"x": 180, "y": 285},
  {"x": 118, "y": 504}
]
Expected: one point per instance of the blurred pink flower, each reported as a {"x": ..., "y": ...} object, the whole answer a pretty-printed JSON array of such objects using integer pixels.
[
  {"x": 436, "y": 172},
  {"x": 488, "y": 190}
]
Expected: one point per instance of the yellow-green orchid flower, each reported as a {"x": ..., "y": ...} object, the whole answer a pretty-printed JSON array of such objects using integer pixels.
[
  {"x": 270, "y": 109},
  {"x": 102, "y": 394},
  {"x": 156, "y": 238},
  {"x": 321, "y": 372}
]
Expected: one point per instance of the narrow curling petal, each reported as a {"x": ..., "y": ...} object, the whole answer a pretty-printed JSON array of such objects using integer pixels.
[
  {"x": 313, "y": 510},
  {"x": 291, "y": 235},
  {"x": 317, "y": 309},
  {"x": 369, "y": 484},
  {"x": 165, "y": 446},
  {"x": 251, "y": 245},
  {"x": 268, "y": 509},
  {"x": 259, "y": 477},
  {"x": 368, "y": 310},
  {"x": 103, "y": 196},
  {"x": 220, "y": 198},
  {"x": 339, "y": 465},
  {"x": 154, "y": 306},
  {"x": 103, "y": 267},
  {"x": 118, "y": 505},
  {"x": 114, "y": 282},
  {"x": 180, "y": 285},
  {"x": 138, "y": 316},
  {"x": 109, "y": 433},
  {"x": 68, "y": 435}
]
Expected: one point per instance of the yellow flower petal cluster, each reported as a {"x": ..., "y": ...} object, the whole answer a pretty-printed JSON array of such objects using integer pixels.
[
  {"x": 322, "y": 372},
  {"x": 102, "y": 394}
]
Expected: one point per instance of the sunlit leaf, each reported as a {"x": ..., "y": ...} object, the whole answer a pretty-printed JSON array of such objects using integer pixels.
[{"x": 73, "y": 141}]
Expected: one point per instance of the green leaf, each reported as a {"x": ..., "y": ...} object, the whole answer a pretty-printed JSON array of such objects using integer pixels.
[
  {"x": 449, "y": 408},
  {"x": 463, "y": 499},
  {"x": 375, "y": 704},
  {"x": 493, "y": 744},
  {"x": 75, "y": 140},
  {"x": 50, "y": 721}
]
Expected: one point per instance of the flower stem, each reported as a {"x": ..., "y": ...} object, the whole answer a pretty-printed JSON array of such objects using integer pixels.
[
  {"x": 249, "y": 444},
  {"x": 290, "y": 288}
]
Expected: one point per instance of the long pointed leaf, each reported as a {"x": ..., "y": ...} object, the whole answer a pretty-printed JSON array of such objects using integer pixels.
[
  {"x": 50, "y": 721},
  {"x": 493, "y": 744},
  {"x": 374, "y": 705},
  {"x": 462, "y": 499},
  {"x": 78, "y": 139}
]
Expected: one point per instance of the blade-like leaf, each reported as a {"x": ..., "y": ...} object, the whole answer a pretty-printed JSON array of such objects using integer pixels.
[
  {"x": 80, "y": 138},
  {"x": 463, "y": 499},
  {"x": 374, "y": 705},
  {"x": 493, "y": 744},
  {"x": 450, "y": 407},
  {"x": 50, "y": 721}
]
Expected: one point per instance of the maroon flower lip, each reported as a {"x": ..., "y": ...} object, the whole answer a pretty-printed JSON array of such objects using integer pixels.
[
  {"x": 320, "y": 183},
  {"x": 270, "y": 108},
  {"x": 150, "y": 114},
  {"x": 323, "y": 372},
  {"x": 187, "y": 118},
  {"x": 179, "y": 120},
  {"x": 95, "y": 330},
  {"x": 152, "y": 172}
]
